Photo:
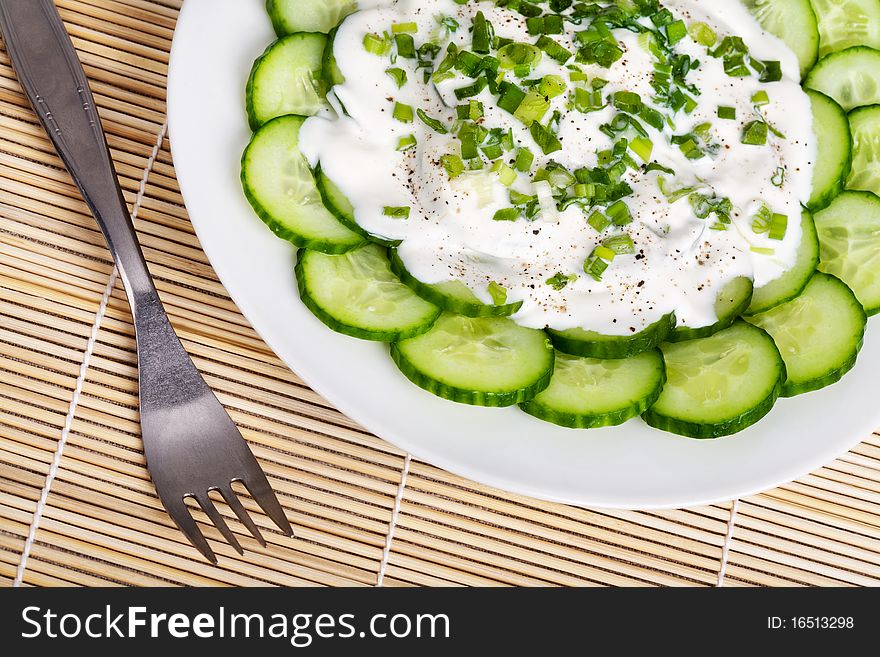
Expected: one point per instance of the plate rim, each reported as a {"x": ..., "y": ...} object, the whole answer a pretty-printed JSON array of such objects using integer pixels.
[{"x": 376, "y": 425}]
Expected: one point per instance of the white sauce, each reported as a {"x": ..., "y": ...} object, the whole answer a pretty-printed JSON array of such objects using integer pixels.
[{"x": 450, "y": 234}]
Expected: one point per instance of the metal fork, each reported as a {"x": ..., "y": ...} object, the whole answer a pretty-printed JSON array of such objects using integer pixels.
[{"x": 191, "y": 444}]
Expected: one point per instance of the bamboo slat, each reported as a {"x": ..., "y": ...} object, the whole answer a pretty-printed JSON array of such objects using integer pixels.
[{"x": 102, "y": 524}]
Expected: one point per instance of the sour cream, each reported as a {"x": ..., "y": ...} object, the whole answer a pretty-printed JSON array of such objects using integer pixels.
[{"x": 680, "y": 263}]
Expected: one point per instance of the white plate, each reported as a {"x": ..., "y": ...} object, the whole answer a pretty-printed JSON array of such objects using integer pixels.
[{"x": 632, "y": 466}]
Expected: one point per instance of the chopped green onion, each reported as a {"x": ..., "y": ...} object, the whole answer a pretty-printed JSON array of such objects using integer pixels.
[
  {"x": 398, "y": 75},
  {"x": 760, "y": 98},
  {"x": 551, "y": 86},
  {"x": 453, "y": 165},
  {"x": 532, "y": 108},
  {"x": 627, "y": 101},
  {"x": 447, "y": 22},
  {"x": 432, "y": 123},
  {"x": 524, "y": 160},
  {"x": 728, "y": 113},
  {"x": 468, "y": 63},
  {"x": 474, "y": 110},
  {"x": 554, "y": 50},
  {"x": 620, "y": 244},
  {"x": 605, "y": 253},
  {"x": 619, "y": 213},
  {"x": 762, "y": 250},
  {"x": 551, "y": 24},
  {"x": 518, "y": 198},
  {"x": 662, "y": 17},
  {"x": 642, "y": 147},
  {"x": 772, "y": 72},
  {"x": 377, "y": 45},
  {"x": 690, "y": 150},
  {"x": 595, "y": 266},
  {"x": 761, "y": 221},
  {"x": 588, "y": 101},
  {"x": 401, "y": 28},
  {"x": 407, "y": 142},
  {"x": 598, "y": 221},
  {"x": 472, "y": 89},
  {"x": 406, "y": 46},
  {"x": 560, "y": 281},
  {"x": 396, "y": 212},
  {"x": 403, "y": 112},
  {"x": 519, "y": 54},
  {"x": 498, "y": 293},
  {"x": 511, "y": 97},
  {"x": 483, "y": 34},
  {"x": 506, "y": 175},
  {"x": 703, "y": 34},
  {"x": 755, "y": 133},
  {"x": 676, "y": 31},
  {"x": 547, "y": 141},
  {"x": 778, "y": 178},
  {"x": 506, "y": 214},
  {"x": 778, "y": 226}
]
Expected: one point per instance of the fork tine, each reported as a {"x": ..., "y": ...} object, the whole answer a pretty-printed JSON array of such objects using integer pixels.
[
  {"x": 179, "y": 512},
  {"x": 211, "y": 511},
  {"x": 245, "y": 518},
  {"x": 259, "y": 488}
]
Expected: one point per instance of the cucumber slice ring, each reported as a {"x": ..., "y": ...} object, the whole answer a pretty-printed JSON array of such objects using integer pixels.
[
  {"x": 851, "y": 77},
  {"x": 720, "y": 385},
  {"x": 847, "y": 23},
  {"x": 485, "y": 361},
  {"x": 794, "y": 22},
  {"x": 849, "y": 237},
  {"x": 732, "y": 302},
  {"x": 580, "y": 342},
  {"x": 357, "y": 294},
  {"x": 341, "y": 208},
  {"x": 835, "y": 145},
  {"x": 585, "y": 393},
  {"x": 819, "y": 334},
  {"x": 290, "y": 16},
  {"x": 792, "y": 282},
  {"x": 287, "y": 79},
  {"x": 280, "y": 187},
  {"x": 452, "y": 296},
  {"x": 865, "y": 125}
]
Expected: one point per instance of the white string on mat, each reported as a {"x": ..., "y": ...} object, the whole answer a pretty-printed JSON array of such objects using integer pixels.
[
  {"x": 398, "y": 499},
  {"x": 81, "y": 379},
  {"x": 728, "y": 539}
]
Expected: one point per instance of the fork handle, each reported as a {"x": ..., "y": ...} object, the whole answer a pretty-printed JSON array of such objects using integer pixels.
[{"x": 54, "y": 81}]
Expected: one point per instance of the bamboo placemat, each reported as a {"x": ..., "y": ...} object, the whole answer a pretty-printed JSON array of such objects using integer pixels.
[{"x": 77, "y": 507}]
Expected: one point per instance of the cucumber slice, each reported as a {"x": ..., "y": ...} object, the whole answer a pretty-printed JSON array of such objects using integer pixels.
[
  {"x": 289, "y": 16},
  {"x": 585, "y": 393},
  {"x": 287, "y": 79},
  {"x": 851, "y": 77},
  {"x": 279, "y": 185},
  {"x": 341, "y": 208},
  {"x": 849, "y": 241},
  {"x": 845, "y": 23},
  {"x": 357, "y": 294},
  {"x": 835, "y": 149},
  {"x": 718, "y": 385},
  {"x": 486, "y": 361},
  {"x": 332, "y": 73},
  {"x": 732, "y": 302},
  {"x": 580, "y": 342},
  {"x": 793, "y": 21},
  {"x": 791, "y": 283},
  {"x": 452, "y": 296},
  {"x": 865, "y": 124},
  {"x": 819, "y": 334}
]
